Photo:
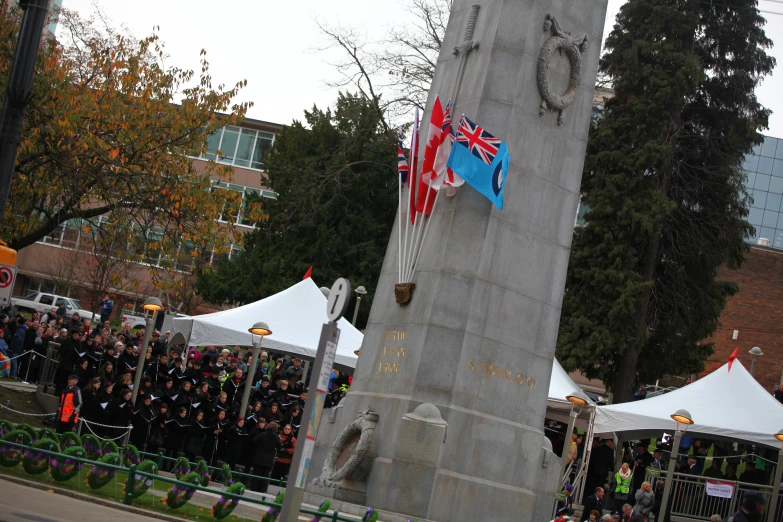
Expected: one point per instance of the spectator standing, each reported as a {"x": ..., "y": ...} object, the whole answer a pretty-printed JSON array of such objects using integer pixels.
[
  {"x": 266, "y": 443},
  {"x": 629, "y": 515},
  {"x": 283, "y": 461},
  {"x": 106, "y": 306},
  {"x": 623, "y": 478},
  {"x": 752, "y": 508},
  {"x": 779, "y": 393},
  {"x": 70, "y": 404},
  {"x": 61, "y": 311},
  {"x": 645, "y": 500},
  {"x": 593, "y": 502}
]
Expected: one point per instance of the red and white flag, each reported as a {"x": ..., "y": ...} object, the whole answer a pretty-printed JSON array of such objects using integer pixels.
[
  {"x": 442, "y": 172},
  {"x": 426, "y": 191},
  {"x": 414, "y": 165}
]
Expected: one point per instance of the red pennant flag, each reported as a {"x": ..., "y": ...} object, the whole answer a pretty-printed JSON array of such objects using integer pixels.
[
  {"x": 733, "y": 356},
  {"x": 308, "y": 273}
]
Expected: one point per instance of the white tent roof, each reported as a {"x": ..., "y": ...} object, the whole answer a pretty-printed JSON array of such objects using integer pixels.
[
  {"x": 294, "y": 315},
  {"x": 560, "y": 386},
  {"x": 724, "y": 404}
]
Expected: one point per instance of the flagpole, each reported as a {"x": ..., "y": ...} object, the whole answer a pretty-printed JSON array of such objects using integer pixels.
[
  {"x": 416, "y": 242},
  {"x": 424, "y": 236},
  {"x": 412, "y": 180},
  {"x": 399, "y": 228}
]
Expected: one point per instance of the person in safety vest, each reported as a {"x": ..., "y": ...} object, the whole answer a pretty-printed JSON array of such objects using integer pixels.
[{"x": 70, "y": 404}]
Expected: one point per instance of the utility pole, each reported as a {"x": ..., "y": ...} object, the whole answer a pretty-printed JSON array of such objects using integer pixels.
[{"x": 17, "y": 93}]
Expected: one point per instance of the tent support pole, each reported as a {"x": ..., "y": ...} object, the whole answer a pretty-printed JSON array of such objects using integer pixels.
[
  {"x": 773, "y": 503},
  {"x": 667, "y": 488}
]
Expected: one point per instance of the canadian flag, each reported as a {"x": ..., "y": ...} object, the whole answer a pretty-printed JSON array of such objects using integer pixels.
[
  {"x": 426, "y": 190},
  {"x": 443, "y": 173}
]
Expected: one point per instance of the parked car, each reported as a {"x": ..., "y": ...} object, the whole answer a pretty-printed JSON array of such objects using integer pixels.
[
  {"x": 42, "y": 302},
  {"x": 136, "y": 319}
]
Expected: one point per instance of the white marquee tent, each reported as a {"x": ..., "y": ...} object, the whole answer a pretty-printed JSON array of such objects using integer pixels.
[
  {"x": 561, "y": 386},
  {"x": 294, "y": 315},
  {"x": 724, "y": 404}
]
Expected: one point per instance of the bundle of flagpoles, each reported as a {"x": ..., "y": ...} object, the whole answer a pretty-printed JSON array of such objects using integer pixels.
[{"x": 423, "y": 185}]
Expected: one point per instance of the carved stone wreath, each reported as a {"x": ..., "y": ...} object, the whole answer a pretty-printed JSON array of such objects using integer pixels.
[
  {"x": 363, "y": 427},
  {"x": 572, "y": 47}
]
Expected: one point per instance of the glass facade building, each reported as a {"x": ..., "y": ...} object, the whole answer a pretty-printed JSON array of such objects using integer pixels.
[{"x": 764, "y": 184}]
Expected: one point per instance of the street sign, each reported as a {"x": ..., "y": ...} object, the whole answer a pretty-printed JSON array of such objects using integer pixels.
[
  {"x": 7, "y": 278},
  {"x": 339, "y": 296}
]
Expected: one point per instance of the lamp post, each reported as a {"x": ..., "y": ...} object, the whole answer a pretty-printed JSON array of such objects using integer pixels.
[
  {"x": 152, "y": 305},
  {"x": 324, "y": 291},
  {"x": 360, "y": 291},
  {"x": 680, "y": 416},
  {"x": 755, "y": 353},
  {"x": 577, "y": 399},
  {"x": 259, "y": 329},
  {"x": 773, "y": 503}
]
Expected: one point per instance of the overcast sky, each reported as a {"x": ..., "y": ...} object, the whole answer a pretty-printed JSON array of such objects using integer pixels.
[{"x": 274, "y": 45}]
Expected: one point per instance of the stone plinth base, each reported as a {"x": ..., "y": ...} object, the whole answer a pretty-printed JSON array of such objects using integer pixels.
[
  {"x": 315, "y": 494},
  {"x": 334, "y": 494}
]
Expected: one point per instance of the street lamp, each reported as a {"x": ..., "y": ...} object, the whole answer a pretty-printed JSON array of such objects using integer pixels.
[
  {"x": 778, "y": 477},
  {"x": 325, "y": 291},
  {"x": 755, "y": 353},
  {"x": 577, "y": 400},
  {"x": 260, "y": 329},
  {"x": 152, "y": 305},
  {"x": 360, "y": 291},
  {"x": 680, "y": 417}
]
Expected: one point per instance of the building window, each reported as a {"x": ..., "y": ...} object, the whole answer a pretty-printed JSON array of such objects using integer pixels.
[
  {"x": 239, "y": 146},
  {"x": 764, "y": 184},
  {"x": 247, "y": 193}
]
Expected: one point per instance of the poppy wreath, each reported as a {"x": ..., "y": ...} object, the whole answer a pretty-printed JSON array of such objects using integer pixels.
[
  {"x": 228, "y": 478},
  {"x": 181, "y": 468},
  {"x": 65, "y": 469},
  {"x": 10, "y": 455},
  {"x": 35, "y": 462},
  {"x": 29, "y": 430},
  {"x": 224, "y": 506},
  {"x": 46, "y": 433},
  {"x": 203, "y": 473},
  {"x": 272, "y": 513},
  {"x": 322, "y": 508},
  {"x": 5, "y": 427},
  {"x": 370, "y": 516},
  {"x": 92, "y": 445},
  {"x": 142, "y": 483},
  {"x": 99, "y": 476},
  {"x": 70, "y": 439},
  {"x": 130, "y": 455},
  {"x": 109, "y": 446},
  {"x": 178, "y": 496}
]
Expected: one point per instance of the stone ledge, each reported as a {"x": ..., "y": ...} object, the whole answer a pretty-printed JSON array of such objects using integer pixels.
[{"x": 348, "y": 508}]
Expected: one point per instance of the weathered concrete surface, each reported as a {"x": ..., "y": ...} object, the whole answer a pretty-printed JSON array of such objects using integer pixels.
[{"x": 479, "y": 334}]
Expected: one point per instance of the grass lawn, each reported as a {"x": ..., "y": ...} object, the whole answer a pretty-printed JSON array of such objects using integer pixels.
[{"x": 114, "y": 491}]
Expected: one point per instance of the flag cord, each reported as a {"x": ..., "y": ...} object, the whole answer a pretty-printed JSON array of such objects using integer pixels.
[
  {"x": 399, "y": 228},
  {"x": 407, "y": 225}
]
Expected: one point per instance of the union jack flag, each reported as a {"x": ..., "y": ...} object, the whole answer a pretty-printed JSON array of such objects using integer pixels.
[
  {"x": 446, "y": 126},
  {"x": 402, "y": 163},
  {"x": 481, "y": 144}
]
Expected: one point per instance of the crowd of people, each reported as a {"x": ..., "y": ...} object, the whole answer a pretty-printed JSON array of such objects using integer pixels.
[{"x": 188, "y": 403}]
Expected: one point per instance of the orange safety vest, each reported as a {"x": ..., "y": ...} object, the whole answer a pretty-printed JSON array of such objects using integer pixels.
[{"x": 67, "y": 407}]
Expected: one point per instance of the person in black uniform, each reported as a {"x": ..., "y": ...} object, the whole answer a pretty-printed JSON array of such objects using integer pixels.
[
  {"x": 142, "y": 422},
  {"x": 266, "y": 444},
  {"x": 236, "y": 439},
  {"x": 197, "y": 435},
  {"x": 177, "y": 429}
]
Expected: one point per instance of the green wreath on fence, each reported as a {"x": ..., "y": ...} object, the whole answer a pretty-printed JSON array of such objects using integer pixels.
[
  {"x": 272, "y": 513},
  {"x": 70, "y": 439},
  {"x": 178, "y": 496},
  {"x": 29, "y": 430},
  {"x": 322, "y": 508},
  {"x": 130, "y": 455},
  {"x": 224, "y": 506},
  {"x": 48, "y": 433},
  {"x": 181, "y": 468},
  {"x": 65, "y": 469},
  {"x": 11, "y": 455},
  {"x": 109, "y": 446},
  {"x": 92, "y": 445},
  {"x": 99, "y": 476},
  {"x": 142, "y": 483},
  {"x": 35, "y": 462},
  {"x": 370, "y": 516},
  {"x": 203, "y": 473},
  {"x": 5, "y": 427},
  {"x": 228, "y": 479}
]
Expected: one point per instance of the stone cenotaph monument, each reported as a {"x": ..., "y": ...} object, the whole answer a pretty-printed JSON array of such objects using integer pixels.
[{"x": 444, "y": 419}]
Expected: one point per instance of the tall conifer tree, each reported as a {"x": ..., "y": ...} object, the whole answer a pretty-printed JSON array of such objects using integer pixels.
[{"x": 664, "y": 185}]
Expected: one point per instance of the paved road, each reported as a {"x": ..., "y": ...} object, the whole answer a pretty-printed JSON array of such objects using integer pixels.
[{"x": 24, "y": 504}]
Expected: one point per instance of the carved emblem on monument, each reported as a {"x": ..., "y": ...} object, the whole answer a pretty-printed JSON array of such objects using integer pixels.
[
  {"x": 348, "y": 456},
  {"x": 572, "y": 47}
]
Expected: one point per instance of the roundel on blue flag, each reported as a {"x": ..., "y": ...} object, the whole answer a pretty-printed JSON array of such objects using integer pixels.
[{"x": 497, "y": 178}]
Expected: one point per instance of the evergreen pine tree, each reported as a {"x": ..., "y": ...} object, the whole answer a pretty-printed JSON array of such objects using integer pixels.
[
  {"x": 664, "y": 185},
  {"x": 336, "y": 185}
]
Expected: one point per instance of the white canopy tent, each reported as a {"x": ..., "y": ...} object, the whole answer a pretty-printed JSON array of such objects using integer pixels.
[
  {"x": 561, "y": 386},
  {"x": 724, "y": 404},
  {"x": 294, "y": 315}
]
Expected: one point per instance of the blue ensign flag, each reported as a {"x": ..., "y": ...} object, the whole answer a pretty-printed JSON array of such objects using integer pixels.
[{"x": 480, "y": 159}]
